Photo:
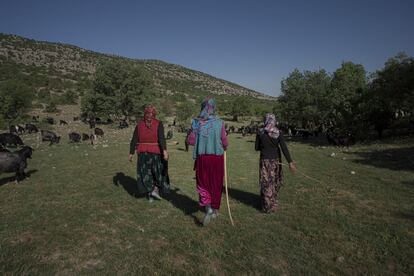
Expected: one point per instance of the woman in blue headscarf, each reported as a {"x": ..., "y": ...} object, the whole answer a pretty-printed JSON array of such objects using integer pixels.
[
  {"x": 269, "y": 141},
  {"x": 208, "y": 136}
]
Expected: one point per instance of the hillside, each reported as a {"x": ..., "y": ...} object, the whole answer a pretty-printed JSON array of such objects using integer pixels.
[{"x": 72, "y": 67}]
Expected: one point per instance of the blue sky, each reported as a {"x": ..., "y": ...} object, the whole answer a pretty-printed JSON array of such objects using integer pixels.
[{"x": 255, "y": 43}]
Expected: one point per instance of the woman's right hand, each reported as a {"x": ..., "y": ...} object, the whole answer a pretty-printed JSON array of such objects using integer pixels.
[{"x": 292, "y": 167}]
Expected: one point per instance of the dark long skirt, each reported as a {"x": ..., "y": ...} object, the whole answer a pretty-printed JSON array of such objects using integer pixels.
[
  {"x": 152, "y": 172},
  {"x": 270, "y": 175},
  {"x": 210, "y": 175}
]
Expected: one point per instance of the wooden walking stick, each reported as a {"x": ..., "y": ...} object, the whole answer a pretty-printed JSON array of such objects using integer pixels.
[{"x": 227, "y": 191}]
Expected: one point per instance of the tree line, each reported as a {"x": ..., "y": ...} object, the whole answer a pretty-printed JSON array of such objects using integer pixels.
[{"x": 349, "y": 99}]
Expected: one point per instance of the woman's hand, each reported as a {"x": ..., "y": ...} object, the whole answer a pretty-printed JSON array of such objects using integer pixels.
[
  {"x": 292, "y": 167},
  {"x": 130, "y": 157},
  {"x": 165, "y": 155}
]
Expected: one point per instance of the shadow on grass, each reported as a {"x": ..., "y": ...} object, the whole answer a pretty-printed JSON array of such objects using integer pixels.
[
  {"x": 186, "y": 204},
  {"x": 311, "y": 141},
  {"x": 13, "y": 178},
  {"x": 408, "y": 183},
  {"x": 401, "y": 159},
  {"x": 250, "y": 199},
  {"x": 128, "y": 183},
  {"x": 404, "y": 215}
]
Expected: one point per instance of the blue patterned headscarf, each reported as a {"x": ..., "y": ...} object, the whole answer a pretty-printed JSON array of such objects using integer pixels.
[{"x": 207, "y": 116}]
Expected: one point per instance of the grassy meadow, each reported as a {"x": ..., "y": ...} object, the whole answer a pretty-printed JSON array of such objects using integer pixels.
[{"x": 78, "y": 213}]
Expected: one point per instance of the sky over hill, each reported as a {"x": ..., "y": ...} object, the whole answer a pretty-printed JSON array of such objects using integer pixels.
[{"x": 252, "y": 43}]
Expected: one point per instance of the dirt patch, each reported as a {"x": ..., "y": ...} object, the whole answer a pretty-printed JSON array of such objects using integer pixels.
[
  {"x": 93, "y": 264},
  {"x": 25, "y": 237},
  {"x": 179, "y": 260}
]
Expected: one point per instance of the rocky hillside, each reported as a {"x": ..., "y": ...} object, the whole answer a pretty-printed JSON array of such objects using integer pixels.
[{"x": 71, "y": 65}]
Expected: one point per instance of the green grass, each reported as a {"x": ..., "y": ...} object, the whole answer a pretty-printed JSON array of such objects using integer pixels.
[{"x": 77, "y": 214}]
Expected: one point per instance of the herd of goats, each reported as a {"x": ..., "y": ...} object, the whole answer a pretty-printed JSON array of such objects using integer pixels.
[{"x": 16, "y": 161}]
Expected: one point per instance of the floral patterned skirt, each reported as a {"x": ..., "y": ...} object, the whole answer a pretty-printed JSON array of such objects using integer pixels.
[
  {"x": 152, "y": 173},
  {"x": 270, "y": 179}
]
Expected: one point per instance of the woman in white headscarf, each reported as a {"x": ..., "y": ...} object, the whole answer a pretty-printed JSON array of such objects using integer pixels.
[{"x": 269, "y": 141}]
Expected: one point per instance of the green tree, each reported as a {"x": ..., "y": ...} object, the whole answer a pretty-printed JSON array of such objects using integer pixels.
[
  {"x": 120, "y": 89},
  {"x": 51, "y": 106},
  {"x": 304, "y": 99},
  {"x": 185, "y": 111},
  {"x": 239, "y": 107},
  {"x": 348, "y": 83},
  {"x": 15, "y": 99},
  {"x": 391, "y": 90},
  {"x": 69, "y": 97},
  {"x": 395, "y": 83}
]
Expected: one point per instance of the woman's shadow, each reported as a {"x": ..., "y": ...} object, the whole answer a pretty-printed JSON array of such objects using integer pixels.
[
  {"x": 246, "y": 198},
  {"x": 180, "y": 201},
  {"x": 186, "y": 204},
  {"x": 128, "y": 183}
]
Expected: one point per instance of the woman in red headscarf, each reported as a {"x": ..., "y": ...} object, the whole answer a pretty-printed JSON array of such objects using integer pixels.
[{"x": 148, "y": 141}]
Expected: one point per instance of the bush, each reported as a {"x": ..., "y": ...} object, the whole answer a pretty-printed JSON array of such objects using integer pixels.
[
  {"x": 15, "y": 99},
  {"x": 51, "y": 106},
  {"x": 69, "y": 97}
]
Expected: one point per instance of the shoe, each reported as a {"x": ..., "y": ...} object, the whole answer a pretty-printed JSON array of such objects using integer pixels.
[
  {"x": 150, "y": 200},
  {"x": 156, "y": 195},
  {"x": 215, "y": 213},
  {"x": 208, "y": 216}
]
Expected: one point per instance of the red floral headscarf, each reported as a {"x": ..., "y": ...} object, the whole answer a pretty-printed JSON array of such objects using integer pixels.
[{"x": 149, "y": 114}]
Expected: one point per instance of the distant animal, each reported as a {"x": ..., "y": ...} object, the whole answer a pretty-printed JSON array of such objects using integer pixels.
[
  {"x": 62, "y": 122},
  {"x": 35, "y": 118},
  {"x": 92, "y": 124},
  {"x": 20, "y": 129},
  {"x": 17, "y": 129},
  {"x": 10, "y": 139},
  {"x": 340, "y": 140},
  {"x": 331, "y": 139},
  {"x": 92, "y": 138},
  {"x": 186, "y": 142},
  {"x": 13, "y": 129},
  {"x": 85, "y": 137},
  {"x": 31, "y": 128},
  {"x": 3, "y": 149},
  {"x": 346, "y": 141},
  {"x": 123, "y": 124},
  {"x": 74, "y": 137},
  {"x": 50, "y": 136},
  {"x": 169, "y": 134},
  {"x": 99, "y": 132},
  {"x": 304, "y": 133},
  {"x": 182, "y": 129},
  {"x": 15, "y": 161},
  {"x": 50, "y": 120},
  {"x": 98, "y": 120}
]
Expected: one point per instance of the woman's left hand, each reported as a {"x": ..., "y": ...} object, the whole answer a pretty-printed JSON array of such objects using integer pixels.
[
  {"x": 165, "y": 155},
  {"x": 292, "y": 167}
]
